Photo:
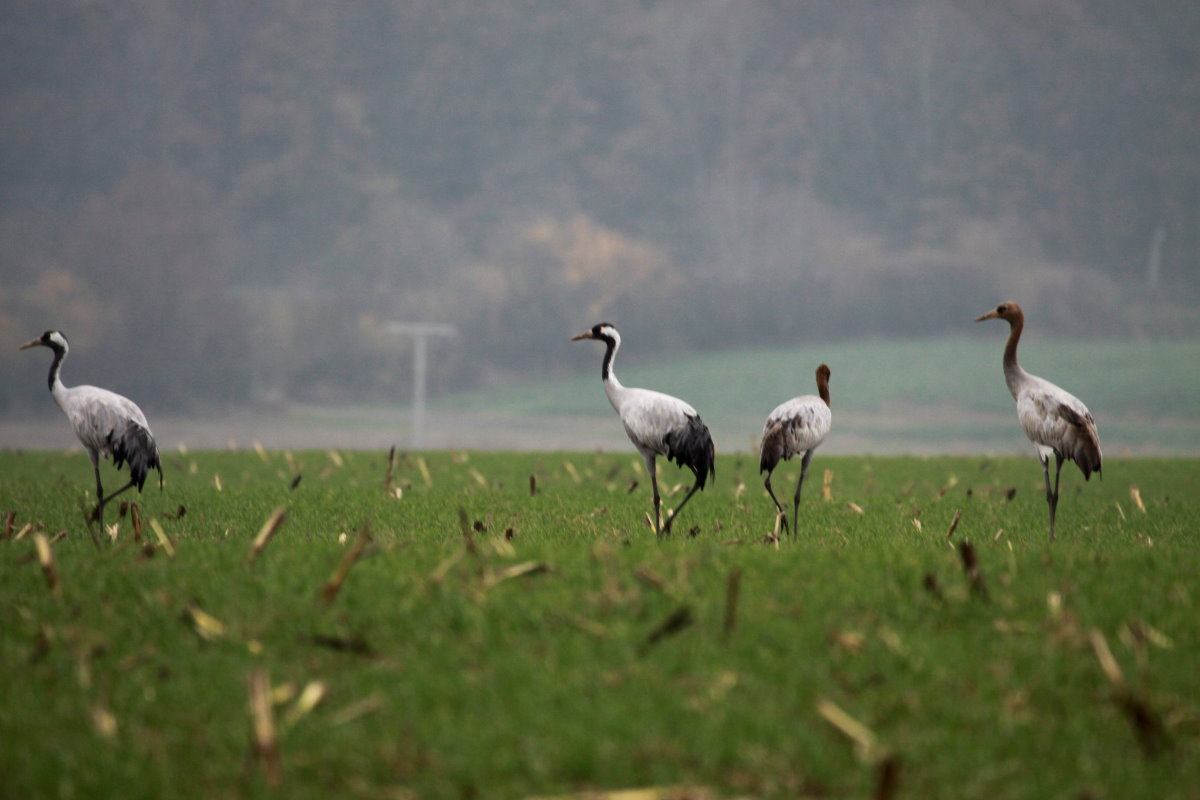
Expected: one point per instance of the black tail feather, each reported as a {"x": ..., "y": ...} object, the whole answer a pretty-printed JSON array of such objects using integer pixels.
[
  {"x": 692, "y": 446},
  {"x": 136, "y": 447}
]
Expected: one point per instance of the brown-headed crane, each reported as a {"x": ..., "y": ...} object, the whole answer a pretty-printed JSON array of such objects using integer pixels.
[
  {"x": 657, "y": 424},
  {"x": 1056, "y": 421},
  {"x": 794, "y": 428},
  {"x": 106, "y": 423}
]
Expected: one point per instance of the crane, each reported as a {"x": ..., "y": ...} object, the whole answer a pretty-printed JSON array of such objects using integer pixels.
[
  {"x": 105, "y": 422},
  {"x": 794, "y": 427},
  {"x": 657, "y": 424},
  {"x": 1056, "y": 421}
]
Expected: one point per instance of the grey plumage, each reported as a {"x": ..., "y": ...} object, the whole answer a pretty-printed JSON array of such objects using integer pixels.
[
  {"x": 1056, "y": 421},
  {"x": 657, "y": 424},
  {"x": 796, "y": 427},
  {"x": 105, "y": 423}
]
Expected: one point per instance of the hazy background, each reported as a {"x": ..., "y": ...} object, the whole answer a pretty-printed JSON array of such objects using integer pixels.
[{"x": 222, "y": 204}]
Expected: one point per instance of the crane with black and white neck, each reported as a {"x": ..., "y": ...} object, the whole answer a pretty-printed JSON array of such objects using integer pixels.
[
  {"x": 657, "y": 424},
  {"x": 105, "y": 423}
]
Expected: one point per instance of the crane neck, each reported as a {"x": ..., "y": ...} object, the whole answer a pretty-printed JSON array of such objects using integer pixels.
[
  {"x": 612, "y": 386},
  {"x": 1013, "y": 374},
  {"x": 57, "y": 390},
  {"x": 823, "y": 390},
  {"x": 611, "y": 346},
  {"x": 55, "y": 382}
]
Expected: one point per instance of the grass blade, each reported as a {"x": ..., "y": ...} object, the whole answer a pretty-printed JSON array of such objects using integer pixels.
[
  {"x": 205, "y": 625},
  {"x": 46, "y": 558},
  {"x": 866, "y": 744},
  {"x": 391, "y": 468},
  {"x": 329, "y": 591},
  {"x": 162, "y": 537},
  {"x": 679, "y": 620},
  {"x": 954, "y": 524},
  {"x": 267, "y": 531},
  {"x": 970, "y": 563},
  {"x": 264, "y": 741}
]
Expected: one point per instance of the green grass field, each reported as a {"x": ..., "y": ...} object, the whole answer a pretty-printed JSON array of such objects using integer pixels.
[{"x": 513, "y": 629}]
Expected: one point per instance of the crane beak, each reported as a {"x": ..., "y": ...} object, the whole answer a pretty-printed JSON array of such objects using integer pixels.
[
  {"x": 30, "y": 344},
  {"x": 584, "y": 335},
  {"x": 989, "y": 315}
]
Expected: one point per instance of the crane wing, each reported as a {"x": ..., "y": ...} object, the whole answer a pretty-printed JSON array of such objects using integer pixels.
[
  {"x": 664, "y": 425},
  {"x": 95, "y": 413},
  {"x": 648, "y": 416},
  {"x": 1056, "y": 419},
  {"x": 113, "y": 425},
  {"x": 797, "y": 426}
]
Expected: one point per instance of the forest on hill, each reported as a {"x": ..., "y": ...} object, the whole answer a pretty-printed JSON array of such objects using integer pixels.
[{"x": 226, "y": 204}]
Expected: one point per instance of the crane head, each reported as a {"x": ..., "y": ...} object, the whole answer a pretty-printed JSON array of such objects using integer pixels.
[
  {"x": 605, "y": 331},
  {"x": 1009, "y": 311},
  {"x": 52, "y": 339}
]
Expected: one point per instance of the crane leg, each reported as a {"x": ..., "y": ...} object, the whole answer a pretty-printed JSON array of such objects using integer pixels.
[
  {"x": 1052, "y": 500},
  {"x": 118, "y": 491},
  {"x": 98, "y": 514},
  {"x": 652, "y": 470},
  {"x": 1052, "y": 491},
  {"x": 101, "y": 499},
  {"x": 1049, "y": 492},
  {"x": 778, "y": 507},
  {"x": 675, "y": 513},
  {"x": 800, "y": 485}
]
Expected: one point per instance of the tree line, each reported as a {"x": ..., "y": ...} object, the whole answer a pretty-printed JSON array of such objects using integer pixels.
[{"x": 225, "y": 207}]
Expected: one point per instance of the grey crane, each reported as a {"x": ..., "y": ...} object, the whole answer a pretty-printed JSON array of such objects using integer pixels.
[
  {"x": 105, "y": 422},
  {"x": 657, "y": 424},
  {"x": 795, "y": 427},
  {"x": 1056, "y": 421}
]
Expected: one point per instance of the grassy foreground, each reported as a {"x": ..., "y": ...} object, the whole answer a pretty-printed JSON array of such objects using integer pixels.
[{"x": 512, "y": 629}]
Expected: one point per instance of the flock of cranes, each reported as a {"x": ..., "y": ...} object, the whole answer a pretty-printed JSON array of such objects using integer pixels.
[{"x": 1057, "y": 423}]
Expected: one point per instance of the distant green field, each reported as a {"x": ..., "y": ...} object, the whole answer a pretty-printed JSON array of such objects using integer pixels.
[
  {"x": 895, "y": 396},
  {"x": 513, "y": 630}
]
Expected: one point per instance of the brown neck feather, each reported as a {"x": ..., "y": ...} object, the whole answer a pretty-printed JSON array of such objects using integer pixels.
[
  {"x": 1017, "y": 324},
  {"x": 823, "y": 388}
]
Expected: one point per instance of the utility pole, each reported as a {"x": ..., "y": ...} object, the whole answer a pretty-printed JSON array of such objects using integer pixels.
[
  {"x": 1154, "y": 260},
  {"x": 421, "y": 332}
]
